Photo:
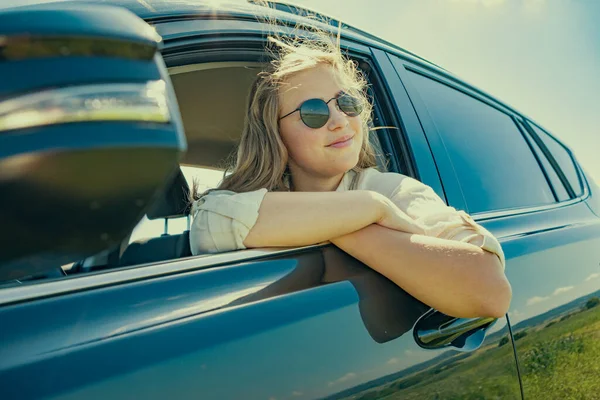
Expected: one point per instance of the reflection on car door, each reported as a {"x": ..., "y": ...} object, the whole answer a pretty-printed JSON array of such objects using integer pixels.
[
  {"x": 556, "y": 314},
  {"x": 308, "y": 324}
]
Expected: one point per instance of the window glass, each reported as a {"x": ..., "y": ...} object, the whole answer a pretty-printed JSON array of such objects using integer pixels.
[
  {"x": 559, "y": 188},
  {"x": 206, "y": 178},
  {"x": 492, "y": 160},
  {"x": 563, "y": 158}
]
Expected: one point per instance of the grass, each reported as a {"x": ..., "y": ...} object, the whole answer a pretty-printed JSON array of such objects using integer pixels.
[
  {"x": 559, "y": 359},
  {"x": 562, "y": 361}
]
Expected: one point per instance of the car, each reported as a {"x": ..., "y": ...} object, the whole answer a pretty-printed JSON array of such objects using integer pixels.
[{"x": 104, "y": 107}]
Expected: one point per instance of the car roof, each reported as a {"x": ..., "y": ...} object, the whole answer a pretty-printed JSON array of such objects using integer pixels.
[{"x": 157, "y": 11}]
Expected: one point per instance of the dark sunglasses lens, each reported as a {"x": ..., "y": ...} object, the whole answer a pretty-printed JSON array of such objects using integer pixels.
[
  {"x": 350, "y": 105},
  {"x": 314, "y": 113}
]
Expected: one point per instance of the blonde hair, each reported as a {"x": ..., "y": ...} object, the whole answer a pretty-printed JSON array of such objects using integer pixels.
[{"x": 262, "y": 157}]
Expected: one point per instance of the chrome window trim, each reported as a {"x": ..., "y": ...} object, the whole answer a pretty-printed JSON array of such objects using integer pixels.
[
  {"x": 183, "y": 69},
  {"x": 22, "y": 293},
  {"x": 527, "y": 210}
]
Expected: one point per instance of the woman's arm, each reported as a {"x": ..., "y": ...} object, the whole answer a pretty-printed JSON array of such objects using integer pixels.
[
  {"x": 304, "y": 218},
  {"x": 226, "y": 221},
  {"x": 459, "y": 279}
]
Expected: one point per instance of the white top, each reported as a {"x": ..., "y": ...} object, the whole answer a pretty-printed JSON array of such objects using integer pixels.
[{"x": 222, "y": 219}]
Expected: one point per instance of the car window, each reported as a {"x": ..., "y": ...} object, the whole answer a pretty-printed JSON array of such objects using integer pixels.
[
  {"x": 206, "y": 178},
  {"x": 559, "y": 188},
  {"x": 494, "y": 165},
  {"x": 562, "y": 157},
  {"x": 210, "y": 148}
]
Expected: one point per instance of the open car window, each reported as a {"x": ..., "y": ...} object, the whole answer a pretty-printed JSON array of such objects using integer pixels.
[
  {"x": 213, "y": 126},
  {"x": 207, "y": 178}
]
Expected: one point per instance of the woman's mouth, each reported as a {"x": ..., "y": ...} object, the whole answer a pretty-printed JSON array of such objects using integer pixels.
[{"x": 344, "y": 141}]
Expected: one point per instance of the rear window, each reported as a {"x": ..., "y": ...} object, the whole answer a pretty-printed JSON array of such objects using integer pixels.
[
  {"x": 557, "y": 184},
  {"x": 493, "y": 162},
  {"x": 563, "y": 159}
]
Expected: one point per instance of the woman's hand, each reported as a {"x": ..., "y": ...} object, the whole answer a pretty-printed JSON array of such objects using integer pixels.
[{"x": 393, "y": 218}]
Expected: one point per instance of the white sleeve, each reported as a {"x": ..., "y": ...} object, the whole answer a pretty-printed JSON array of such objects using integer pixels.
[
  {"x": 421, "y": 203},
  {"x": 222, "y": 220}
]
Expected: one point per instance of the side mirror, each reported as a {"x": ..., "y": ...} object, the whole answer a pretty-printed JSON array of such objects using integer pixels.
[{"x": 90, "y": 131}]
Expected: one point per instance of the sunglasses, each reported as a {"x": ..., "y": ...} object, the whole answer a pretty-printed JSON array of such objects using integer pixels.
[{"x": 315, "y": 112}]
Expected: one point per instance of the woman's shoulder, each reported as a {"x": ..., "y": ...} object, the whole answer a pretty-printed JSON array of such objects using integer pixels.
[
  {"x": 210, "y": 194},
  {"x": 386, "y": 183},
  {"x": 226, "y": 193},
  {"x": 220, "y": 200}
]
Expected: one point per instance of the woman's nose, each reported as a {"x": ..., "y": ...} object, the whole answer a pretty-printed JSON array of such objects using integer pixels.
[{"x": 337, "y": 118}]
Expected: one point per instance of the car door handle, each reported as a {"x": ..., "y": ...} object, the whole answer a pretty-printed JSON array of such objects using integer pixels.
[{"x": 435, "y": 330}]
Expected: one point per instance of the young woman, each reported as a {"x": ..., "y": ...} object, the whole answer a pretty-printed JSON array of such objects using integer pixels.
[{"x": 305, "y": 174}]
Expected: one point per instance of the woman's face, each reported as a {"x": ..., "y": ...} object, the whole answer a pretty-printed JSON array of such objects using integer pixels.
[{"x": 312, "y": 152}]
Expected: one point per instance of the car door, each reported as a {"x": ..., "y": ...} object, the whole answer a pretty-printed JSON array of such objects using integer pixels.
[
  {"x": 525, "y": 187},
  {"x": 301, "y": 323}
]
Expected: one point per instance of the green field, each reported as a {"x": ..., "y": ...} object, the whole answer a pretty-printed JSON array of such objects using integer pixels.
[
  {"x": 562, "y": 360},
  {"x": 559, "y": 359}
]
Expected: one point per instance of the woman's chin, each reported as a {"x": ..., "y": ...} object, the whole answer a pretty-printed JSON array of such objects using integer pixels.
[
  {"x": 342, "y": 165},
  {"x": 350, "y": 161}
]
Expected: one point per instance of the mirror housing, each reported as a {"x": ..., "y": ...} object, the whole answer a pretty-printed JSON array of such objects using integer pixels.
[{"x": 90, "y": 132}]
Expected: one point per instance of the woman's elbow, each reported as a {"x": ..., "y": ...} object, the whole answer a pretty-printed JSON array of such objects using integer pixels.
[{"x": 496, "y": 294}]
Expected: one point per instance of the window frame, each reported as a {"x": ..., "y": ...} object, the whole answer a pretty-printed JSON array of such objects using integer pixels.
[
  {"x": 447, "y": 173},
  {"x": 393, "y": 145},
  {"x": 132, "y": 273},
  {"x": 530, "y": 141},
  {"x": 552, "y": 160},
  {"x": 418, "y": 149},
  {"x": 229, "y": 49}
]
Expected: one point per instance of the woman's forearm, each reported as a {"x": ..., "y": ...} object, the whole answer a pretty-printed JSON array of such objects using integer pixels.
[
  {"x": 456, "y": 278},
  {"x": 303, "y": 218}
]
